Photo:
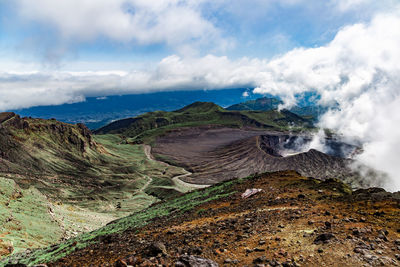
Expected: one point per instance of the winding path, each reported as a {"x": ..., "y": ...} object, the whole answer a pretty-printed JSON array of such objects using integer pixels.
[
  {"x": 146, "y": 184},
  {"x": 177, "y": 179}
]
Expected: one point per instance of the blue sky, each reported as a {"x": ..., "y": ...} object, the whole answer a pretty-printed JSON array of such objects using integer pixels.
[{"x": 42, "y": 33}]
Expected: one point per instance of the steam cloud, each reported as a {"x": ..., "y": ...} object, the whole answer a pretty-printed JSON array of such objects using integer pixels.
[{"x": 359, "y": 71}]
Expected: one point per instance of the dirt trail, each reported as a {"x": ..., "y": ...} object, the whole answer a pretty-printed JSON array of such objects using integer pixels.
[
  {"x": 177, "y": 179},
  {"x": 146, "y": 184}
]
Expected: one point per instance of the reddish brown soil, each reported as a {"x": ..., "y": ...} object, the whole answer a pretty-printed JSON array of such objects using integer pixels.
[{"x": 281, "y": 224}]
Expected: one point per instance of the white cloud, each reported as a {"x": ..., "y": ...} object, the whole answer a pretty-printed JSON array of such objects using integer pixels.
[
  {"x": 345, "y": 5},
  {"x": 363, "y": 5},
  {"x": 359, "y": 70},
  {"x": 172, "y": 22}
]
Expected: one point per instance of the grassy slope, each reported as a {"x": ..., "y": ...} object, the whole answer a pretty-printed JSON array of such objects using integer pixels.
[
  {"x": 172, "y": 207},
  {"x": 56, "y": 191},
  {"x": 145, "y": 127},
  {"x": 23, "y": 214},
  {"x": 263, "y": 103}
]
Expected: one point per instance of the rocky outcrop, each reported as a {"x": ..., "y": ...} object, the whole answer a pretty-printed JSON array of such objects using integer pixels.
[
  {"x": 24, "y": 140},
  {"x": 10, "y": 119},
  {"x": 375, "y": 193},
  {"x": 4, "y": 116}
]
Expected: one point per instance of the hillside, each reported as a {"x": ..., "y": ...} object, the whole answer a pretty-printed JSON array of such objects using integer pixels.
[
  {"x": 290, "y": 221},
  {"x": 32, "y": 145},
  {"x": 147, "y": 126},
  {"x": 215, "y": 145},
  {"x": 270, "y": 103},
  {"x": 57, "y": 180},
  {"x": 260, "y": 104}
]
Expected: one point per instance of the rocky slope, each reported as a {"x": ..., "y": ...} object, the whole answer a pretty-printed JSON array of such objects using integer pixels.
[
  {"x": 57, "y": 180},
  {"x": 290, "y": 220},
  {"x": 24, "y": 143}
]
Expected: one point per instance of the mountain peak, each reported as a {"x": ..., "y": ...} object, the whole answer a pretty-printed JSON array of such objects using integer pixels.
[
  {"x": 264, "y": 103},
  {"x": 200, "y": 107},
  {"x": 4, "y": 116}
]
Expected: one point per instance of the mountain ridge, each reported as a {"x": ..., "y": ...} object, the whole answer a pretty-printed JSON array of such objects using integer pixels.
[
  {"x": 260, "y": 104},
  {"x": 271, "y": 103},
  {"x": 202, "y": 113}
]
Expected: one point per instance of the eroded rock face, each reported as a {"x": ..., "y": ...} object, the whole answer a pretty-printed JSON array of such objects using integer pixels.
[
  {"x": 22, "y": 139},
  {"x": 10, "y": 119},
  {"x": 4, "y": 116},
  {"x": 285, "y": 144}
]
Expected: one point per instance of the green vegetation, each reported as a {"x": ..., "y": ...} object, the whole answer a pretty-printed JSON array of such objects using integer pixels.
[
  {"x": 172, "y": 207},
  {"x": 265, "y": 103},
  {"x": 146, "y": 127},
  {"x": 56, "y": 181},
  {"x": 23, "y": 214},
  {"x": 260, "y": 104}
]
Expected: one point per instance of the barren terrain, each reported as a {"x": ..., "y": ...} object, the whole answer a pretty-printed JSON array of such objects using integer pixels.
[{"x": 215, "y": 154}]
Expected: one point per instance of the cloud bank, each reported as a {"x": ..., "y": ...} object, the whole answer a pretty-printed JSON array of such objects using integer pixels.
[{"x": 26, "y": 89}]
